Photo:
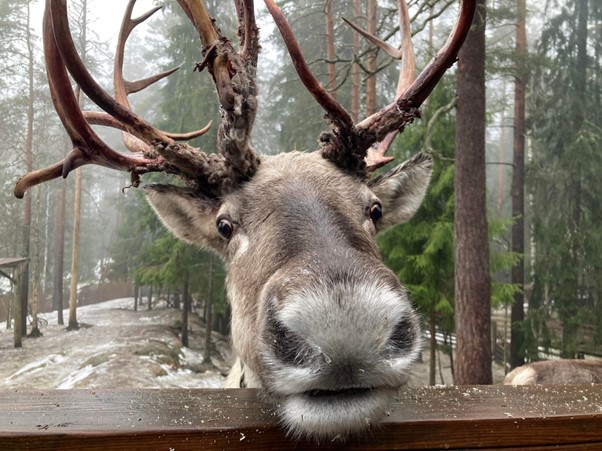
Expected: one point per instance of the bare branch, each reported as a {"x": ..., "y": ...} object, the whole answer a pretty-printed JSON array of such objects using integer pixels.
[{"x": 387, "y": 48}]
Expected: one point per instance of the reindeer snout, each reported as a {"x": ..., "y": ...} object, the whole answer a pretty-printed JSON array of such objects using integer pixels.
[{"x": 347, "y": 337}]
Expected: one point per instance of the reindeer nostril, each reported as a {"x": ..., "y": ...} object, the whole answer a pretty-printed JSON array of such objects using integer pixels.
[
  {"x": 403, "y": 335},
  {"x": 286, "y": 345}
]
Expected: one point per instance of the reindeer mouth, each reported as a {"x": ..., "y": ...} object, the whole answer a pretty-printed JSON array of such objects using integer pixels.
[
  {"x": 323, "y": 414},
  {"x": 340, "y": 393}
]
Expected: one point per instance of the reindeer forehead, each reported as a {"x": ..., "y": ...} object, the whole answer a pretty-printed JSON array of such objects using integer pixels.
[{"x": 297, "y": 175}]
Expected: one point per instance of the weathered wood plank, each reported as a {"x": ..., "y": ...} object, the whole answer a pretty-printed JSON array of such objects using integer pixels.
[{"x": 562, "y": 417}]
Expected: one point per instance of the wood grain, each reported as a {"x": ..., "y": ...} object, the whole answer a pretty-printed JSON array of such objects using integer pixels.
[{"x": 481, "y": 417}]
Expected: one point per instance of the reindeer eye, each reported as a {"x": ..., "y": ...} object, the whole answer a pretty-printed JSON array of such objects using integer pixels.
[
  {"x": 225, "y": 228},
  {"x": 376, "y": 212}
]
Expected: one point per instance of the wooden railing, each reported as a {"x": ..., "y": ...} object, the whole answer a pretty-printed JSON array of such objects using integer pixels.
[{"x": 480, "y": 417}]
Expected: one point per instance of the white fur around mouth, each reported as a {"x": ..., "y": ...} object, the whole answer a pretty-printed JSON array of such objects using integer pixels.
[{"x": 329, "y": 414}]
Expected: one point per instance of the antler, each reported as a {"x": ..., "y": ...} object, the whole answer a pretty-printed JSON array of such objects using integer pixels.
[
  {"x": 155, "y": 150},
  {"x": 347, "y": 144}
]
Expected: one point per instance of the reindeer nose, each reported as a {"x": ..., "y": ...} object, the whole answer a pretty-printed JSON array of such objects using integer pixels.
[{"x": 291, "y": 348}]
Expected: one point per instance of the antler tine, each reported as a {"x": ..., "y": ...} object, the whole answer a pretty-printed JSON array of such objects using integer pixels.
[
  {"x": 123, "y": 88},
  {"x": 339, "y": 145},
  {"x": 404, "y": 109},
  {"x": 135, "y": 125},
  {"x": 376, "y": 154},
  {"x": 386, "y": 47},
  {"x": 247, "y": 30},
  {"x": 74, "y": 122},
  {"x": 335, "y": 111}
]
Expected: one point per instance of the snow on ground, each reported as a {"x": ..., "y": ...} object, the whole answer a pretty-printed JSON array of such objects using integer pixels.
[{"x": 115, "y": 347}]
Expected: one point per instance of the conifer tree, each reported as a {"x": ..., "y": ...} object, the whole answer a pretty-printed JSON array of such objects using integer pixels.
[{"x": 566, "y": 129}]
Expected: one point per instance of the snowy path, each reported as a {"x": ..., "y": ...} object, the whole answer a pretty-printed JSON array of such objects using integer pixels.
[{"x": 116, "y": 348}]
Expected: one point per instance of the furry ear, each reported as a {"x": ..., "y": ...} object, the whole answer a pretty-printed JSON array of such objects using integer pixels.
[
  {"x": 402, "y": 189},
  {"x": 190, "y": 216}
]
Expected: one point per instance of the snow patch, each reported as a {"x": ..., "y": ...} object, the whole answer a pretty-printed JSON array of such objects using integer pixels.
[
  {"x": 185, "y": 378},
  {"x": 38, "y": 365},
  {"x": 74, "y": 378}
]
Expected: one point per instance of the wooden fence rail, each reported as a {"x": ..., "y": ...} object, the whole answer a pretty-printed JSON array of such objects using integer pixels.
[{"x": 480, "y": 417}]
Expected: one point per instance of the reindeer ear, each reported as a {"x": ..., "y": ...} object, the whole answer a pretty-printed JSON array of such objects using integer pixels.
[
  {"x": 402, "y": 189},
  {"x": 190, "y": 216}
]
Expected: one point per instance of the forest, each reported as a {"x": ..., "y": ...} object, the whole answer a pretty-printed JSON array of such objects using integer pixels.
[{"x": 538, "y": 234}]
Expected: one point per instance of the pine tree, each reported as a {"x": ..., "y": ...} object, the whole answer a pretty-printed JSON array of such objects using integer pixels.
[
  {"x": 421, "y": 251},
  {"x": 566, "y": 129},
  {"x": 473, "y": 290}
]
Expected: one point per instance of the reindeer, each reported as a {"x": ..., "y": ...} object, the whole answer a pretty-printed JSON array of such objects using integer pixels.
[
  {"x": 319, "y": 324},
  {"x": 548, "y": 372}
]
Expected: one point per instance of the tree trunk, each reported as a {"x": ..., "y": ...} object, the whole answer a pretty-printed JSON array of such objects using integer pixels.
[
  {"x": 208, "y": 319},
  {"x": 73, "y": 325},
  {"x": 355, "y": 68},
  {"x": 501, "y": 170},
  {"x": 17, "y": 313},
  {"x": 472, "y": 278},
  {"x": 150, "y": 298},
  {"x": 24, "y": 290},
  {"x": 59, "y": 256},
  {"x": 46, "y": 240},
  {"x": 574, "y": 268},
  {"x": 433, "y": 349},
  {"x": 78, "y": 195},
  {"x": 10, "y": 304},
  {"x": 371, "y": 62},
  {"x": 517, "y": 314},
  {"x": 330, "y": 51},
  {"x": 35, "y": 329},
  {"x": 136, "y": 294},
  {"x": 176, "y": 301},
  {"x": 186, "y": 296}
]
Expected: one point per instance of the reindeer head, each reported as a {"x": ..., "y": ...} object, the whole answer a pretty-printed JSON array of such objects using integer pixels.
[{"x": 319, "y": 323}]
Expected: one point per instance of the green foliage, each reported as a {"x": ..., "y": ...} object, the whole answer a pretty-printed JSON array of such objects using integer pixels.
[
  {"x": 500, "y": 260},
  {"x": 565, "y": 124},
  {"x": 421, "y": 252}
]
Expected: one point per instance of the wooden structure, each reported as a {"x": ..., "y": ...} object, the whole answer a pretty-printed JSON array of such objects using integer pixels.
[
  {"x": 480, "y": 417},
  {"x": 18, "y": 265}
]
